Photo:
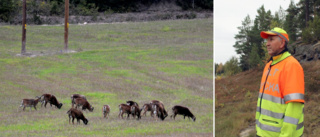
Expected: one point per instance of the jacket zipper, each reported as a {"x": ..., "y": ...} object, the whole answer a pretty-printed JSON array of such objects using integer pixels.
[{"x": 264, "y": 85}]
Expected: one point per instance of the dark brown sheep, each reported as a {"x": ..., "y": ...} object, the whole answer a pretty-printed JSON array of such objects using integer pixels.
[
  {"x": 165, "y": 114},
  {"x": 84, "y": 103},
  {"x": 181, "y": 110},
  {"x": 74, "y": 113},
  {"x": 124, "y": 108},
  {"x": 135, "y": 111},
  {"x": 51, "y": 99},
  {"x": 75, "y": 96},
  {"x": 158, "y": 110},
  {"x": 131, "y": 103}
]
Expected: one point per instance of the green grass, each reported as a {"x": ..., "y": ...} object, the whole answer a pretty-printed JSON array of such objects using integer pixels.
[{"x": 171, "y": 61}]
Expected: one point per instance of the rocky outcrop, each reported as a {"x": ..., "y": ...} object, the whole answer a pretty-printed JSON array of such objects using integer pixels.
[{"x": 305, "y": 52}]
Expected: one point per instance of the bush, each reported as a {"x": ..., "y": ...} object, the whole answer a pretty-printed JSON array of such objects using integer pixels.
[{"x": 232, "y": 67}]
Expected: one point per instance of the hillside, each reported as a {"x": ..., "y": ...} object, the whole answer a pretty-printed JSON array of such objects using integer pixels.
[
  {"x": 169, "y": 61},
  {"x": 236, "y": 100}
]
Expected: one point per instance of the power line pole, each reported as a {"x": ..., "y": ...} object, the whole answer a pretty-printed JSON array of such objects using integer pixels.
[
  {"x": 66, "y": 25},
  {"x": 24, "y": 25}
]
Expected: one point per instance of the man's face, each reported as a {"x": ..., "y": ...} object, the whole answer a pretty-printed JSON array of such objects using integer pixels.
[{"x": 275, "y": 45}]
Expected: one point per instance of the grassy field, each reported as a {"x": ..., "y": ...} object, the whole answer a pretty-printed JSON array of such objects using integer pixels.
[
  {"x": 236, "y": 102},
  {"x": 171, "y": 61}
]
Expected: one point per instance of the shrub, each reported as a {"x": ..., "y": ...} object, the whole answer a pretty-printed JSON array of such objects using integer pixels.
[{"x": 232, "y": 67}]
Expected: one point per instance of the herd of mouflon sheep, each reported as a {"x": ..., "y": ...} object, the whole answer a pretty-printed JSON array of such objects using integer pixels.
[{"x": 79, "y": 103}]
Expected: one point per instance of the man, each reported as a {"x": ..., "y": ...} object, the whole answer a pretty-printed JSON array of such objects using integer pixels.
[{"x": 281, "y": 97}]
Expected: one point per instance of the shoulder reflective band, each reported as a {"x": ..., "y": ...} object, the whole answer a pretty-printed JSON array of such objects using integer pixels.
[
  {"x": 291, "y": 120},
  {"x": 270, "y": 113},
  {"x": 293, "y": 96}
]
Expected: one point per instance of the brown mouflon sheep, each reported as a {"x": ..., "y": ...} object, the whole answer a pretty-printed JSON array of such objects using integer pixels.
[
  {"x": 51, "y": 99},
  {"x": 105, "y": 110},
  {"x": 158, "y": 110},
  {"x": 84, "y": 103},
  {"x": 30, "y": 103},
  {"x": 75, "y": 96},
  {"x": 124, "y": 108},
  {"x": 181, "y": 110},
  {"x": 145, "y": 108},
  {"x": 135, "y": 111},
  {"x": 74, "y": 113},
  {"x": 165, "y": 114},
  {"x": 131, "y": 103}
]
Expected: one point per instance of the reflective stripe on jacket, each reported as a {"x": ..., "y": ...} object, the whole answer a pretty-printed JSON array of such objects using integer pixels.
[{"x": 282, "y": 83}]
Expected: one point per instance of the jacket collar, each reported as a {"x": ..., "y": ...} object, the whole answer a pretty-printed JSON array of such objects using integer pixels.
[{"x": 283, "y": 55}]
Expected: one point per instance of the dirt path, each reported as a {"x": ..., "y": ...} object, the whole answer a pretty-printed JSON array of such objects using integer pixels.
[{"x": 246, "y": 132}]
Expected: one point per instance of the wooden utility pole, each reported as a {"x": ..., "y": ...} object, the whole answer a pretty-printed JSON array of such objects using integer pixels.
[
  {"x": 66, "y": 25},
  {"x": 24, "y": 25}
]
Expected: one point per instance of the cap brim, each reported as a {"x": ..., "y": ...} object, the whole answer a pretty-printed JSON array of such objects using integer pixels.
[{"x": 266, "y": 34}]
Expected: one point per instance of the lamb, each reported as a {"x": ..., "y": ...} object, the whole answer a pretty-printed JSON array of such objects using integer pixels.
[
  {"x": 182, "y": 111},
  {"x": 84, "y": 103},
  {"x": 74, "y": 113},
  {"x": 51, "y": 99},
  {"x": 30, "y": 103},
  {"x": 105, "y": 110}
]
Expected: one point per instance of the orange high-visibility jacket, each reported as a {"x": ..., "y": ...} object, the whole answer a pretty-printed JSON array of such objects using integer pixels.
[{"x": 282, "y": 83}]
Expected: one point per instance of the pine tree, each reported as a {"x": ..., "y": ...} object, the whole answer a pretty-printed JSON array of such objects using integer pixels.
[
  {"x": 290, "y": 24},
  {"x": 242, "y": 45},
  {"x": 254, "y": 57}
]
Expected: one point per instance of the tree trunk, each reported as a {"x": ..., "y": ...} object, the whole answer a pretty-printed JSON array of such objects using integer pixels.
[{"x": 24, "y": 25}]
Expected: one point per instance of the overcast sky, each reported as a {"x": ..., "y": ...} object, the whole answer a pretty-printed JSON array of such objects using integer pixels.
[{"x": 229, "y": 14}]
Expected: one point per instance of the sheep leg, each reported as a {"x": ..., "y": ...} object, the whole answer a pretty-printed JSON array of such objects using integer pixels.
[
  {"x": 72, "y": 120},
  {"x": 128, "y": 116},
  {"x": 42, "y": 103},
  {"x": 45, "y": 104},
  {"x": 174, "y": 117},
  {"x": 24, "y": 108},
  {"x": 119, "y": 114},
  {"x": 34, "y": 107}
]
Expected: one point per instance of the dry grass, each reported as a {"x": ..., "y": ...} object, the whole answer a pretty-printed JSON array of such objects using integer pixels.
[
  {"x": 167, "y": 60},
  {"x": 236, "y": 99}
]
